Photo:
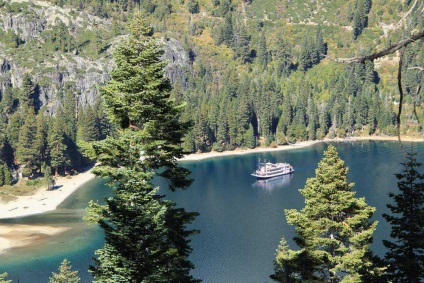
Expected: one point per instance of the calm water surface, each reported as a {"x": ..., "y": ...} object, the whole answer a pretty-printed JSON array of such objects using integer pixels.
[{"x": 241, "y": 221}]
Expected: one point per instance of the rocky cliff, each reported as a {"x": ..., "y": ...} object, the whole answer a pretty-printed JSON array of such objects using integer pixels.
[{"x": 33, "y": 24}]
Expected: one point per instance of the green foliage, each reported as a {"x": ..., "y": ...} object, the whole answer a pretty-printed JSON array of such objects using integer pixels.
[
  {"x": 193, "y": 6},
  {"x": 145, "y": 235},
  {"x": 64, "y": 275},
  {"x": 26, "y": 151},
  {"x": 334, "y": 231},
  {"x": 3, "y": 278},
  {"x": 405, "y": 256},
  {"x": 360, "y": 18},
  {"x": 284, "y": 37},
  {"x": 262, "y": 51},
  {"x": 57, "y": 146}
]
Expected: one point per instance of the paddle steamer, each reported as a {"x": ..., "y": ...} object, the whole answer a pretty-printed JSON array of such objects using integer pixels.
[{"x": 270, "y": 170}]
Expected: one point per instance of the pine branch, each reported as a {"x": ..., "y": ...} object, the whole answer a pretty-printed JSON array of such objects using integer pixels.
[
  {"x": 401, "y": 45},
  {"x": 391, "y": 49}
]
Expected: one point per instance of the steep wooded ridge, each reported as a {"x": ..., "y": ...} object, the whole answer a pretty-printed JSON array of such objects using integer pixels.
[{"x": 248, "y": 72}]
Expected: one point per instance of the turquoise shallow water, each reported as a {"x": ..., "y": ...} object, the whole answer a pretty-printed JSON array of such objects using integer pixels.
[{"x": 241, "y": 221}]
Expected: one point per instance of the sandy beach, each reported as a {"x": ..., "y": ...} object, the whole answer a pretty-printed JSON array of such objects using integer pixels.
[
  {"x": 44, "y": 200},
  {"x": 201, "y": 156}
]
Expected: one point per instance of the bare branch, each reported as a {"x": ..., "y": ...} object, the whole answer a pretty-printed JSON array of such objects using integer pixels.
[
  {"x": 399, "y": 80},
  {"x": 416, "y": 68},
  {"x": 391, "y": 49},
  {"x": 407, "y": 14}
]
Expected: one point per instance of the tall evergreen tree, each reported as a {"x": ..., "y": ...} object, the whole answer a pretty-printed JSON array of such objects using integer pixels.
[
  {"x": 241, "y": 41},
  {"x": 283, "y": 56},
  {"x": 227, "y": 30},
  {"x": 64, "y": 275},
  {"x": 405, "y": 256},
  {"x": 334, "y": 231},
  {"x": 145, "y": 235},
  {"x": 320, "y": 46},
  {"x": 87, "y": 125},
  {"x": 26, "y": 152},
  {"x": 262, "y": 51},
  {"x": 56, "y": 143},
  {"x": 13, "y": 128},
  {"x": 40, "y": 139},
  {"x": 26, "y": 95}
]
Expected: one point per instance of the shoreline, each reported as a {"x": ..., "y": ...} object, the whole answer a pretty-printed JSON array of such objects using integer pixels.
[
  {"x": 303, "y": 144},
  {"x": 43, "y": 200},
  {"x": 15, "y": 236}
]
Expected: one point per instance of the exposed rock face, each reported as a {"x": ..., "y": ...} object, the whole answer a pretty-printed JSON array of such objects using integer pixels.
[
  {"x": 4, "y": 70},
  {"x": 27, "y": 29},
  {"x": 178, "y": 61},
  {"x": 53, "y": 71},
  {"x": 87, "y": 75}
]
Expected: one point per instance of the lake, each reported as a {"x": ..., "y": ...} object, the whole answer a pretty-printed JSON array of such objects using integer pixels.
[{"x": 241, "y": 221}]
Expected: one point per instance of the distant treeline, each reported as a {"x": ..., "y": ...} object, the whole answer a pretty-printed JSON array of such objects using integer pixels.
[{"x": 275, "y": 91}]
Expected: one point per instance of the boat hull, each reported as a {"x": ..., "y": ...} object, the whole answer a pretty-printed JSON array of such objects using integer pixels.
[{"x": 269, "y": 176}]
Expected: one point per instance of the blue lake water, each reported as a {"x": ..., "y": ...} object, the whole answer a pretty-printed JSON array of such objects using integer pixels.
[{"x": 241, "y": 221}]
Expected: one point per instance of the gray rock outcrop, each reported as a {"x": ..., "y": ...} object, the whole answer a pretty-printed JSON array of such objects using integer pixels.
[{"x": 52, "y": 71}]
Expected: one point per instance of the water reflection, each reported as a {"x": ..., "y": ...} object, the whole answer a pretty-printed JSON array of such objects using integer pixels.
[{"x": 270, "y": 184}]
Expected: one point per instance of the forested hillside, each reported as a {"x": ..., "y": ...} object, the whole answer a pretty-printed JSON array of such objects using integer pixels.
[{"x": 248, "y": 73}]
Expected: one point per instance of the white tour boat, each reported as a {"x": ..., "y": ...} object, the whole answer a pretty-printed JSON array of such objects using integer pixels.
[{"x": 271, "y": 170}]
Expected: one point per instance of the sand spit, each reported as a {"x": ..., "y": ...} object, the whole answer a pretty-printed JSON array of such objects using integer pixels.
[{"x": 15, "y": 236}]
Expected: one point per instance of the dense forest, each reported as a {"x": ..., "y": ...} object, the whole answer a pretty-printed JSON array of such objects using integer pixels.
[{"x": 254, "y": 75}]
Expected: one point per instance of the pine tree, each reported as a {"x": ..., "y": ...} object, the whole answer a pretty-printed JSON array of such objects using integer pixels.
[
  {"x": 26, "y": 95},
  {"x": 249, "y": 137},
  {"x": 241, "y": 42},
  {"x": 405, "y": 256},
  {"x": 320, "y": 46},
  {"x": 69, "y": 105},
  {"x": 3, "y": 278},
  {"x": 283, "y": 56},
  {"x": 145, "y": 235},
  {"x": 334, "y": 232},
  {"x": 87, "y": 125},
  {"x": 1, "y": 173},
  {"x": 304, "y": 55},
  {"x": 227, "y": 30},
  {"x": 26, "y": 153},
  {"x": 7, "y": 175},
  {"x": 65, "y": 274},
  {"x": 15, "y": 123},
  {"x": 284, "y": 265},
  {"x": 8, "y": 102},
  {"x": 56, "y": 144},
  {"x": 312, "y": 119},
  {"x": 262, "y": 51},
  {"x": 40, "y": 140}
]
